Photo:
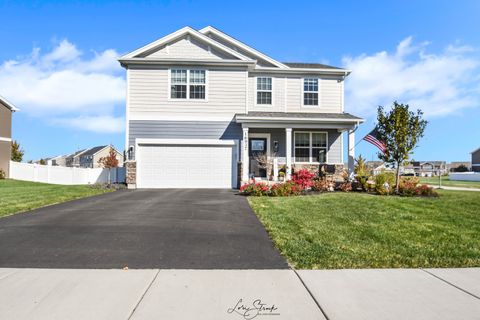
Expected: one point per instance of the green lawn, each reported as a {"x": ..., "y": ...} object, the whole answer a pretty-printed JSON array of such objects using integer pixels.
[
  {"x": 18, "y": 196},
  {"x": 354, "y": 230},
  {"x": 434, "y": 181}
]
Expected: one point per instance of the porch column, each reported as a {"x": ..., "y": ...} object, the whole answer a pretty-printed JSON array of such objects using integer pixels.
[
  {"x": 245, "y": 162},
  {"x": 288, "y": 147},
  {"x": 351, "y": 150}
]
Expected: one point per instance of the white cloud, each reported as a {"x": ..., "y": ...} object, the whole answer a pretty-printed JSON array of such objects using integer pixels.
[
  {"x": 64, "y": 83},
  {"x": 101, "y": 124},
  {"x": 439, "y": 84}
]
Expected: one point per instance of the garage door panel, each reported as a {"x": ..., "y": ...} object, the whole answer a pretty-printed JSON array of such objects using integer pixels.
[{"x": 185, "y": 166}]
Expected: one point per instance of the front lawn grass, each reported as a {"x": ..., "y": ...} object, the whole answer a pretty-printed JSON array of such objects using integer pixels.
[
  {"x": 18, "y": 196},
  {"x": 434, "y": 181},
  {"x": 355, "y": 230}
]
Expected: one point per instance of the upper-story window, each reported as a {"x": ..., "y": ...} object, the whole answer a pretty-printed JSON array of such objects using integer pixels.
[
  {"x": 188, "y": 84},
  {"x": 264, "y": 90},
  {"x": 310, "y": 92}
]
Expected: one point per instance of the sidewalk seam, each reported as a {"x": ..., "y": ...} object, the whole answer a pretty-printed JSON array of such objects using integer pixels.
[
  {"x": 453, "y": 285},
  {"x": 311, "y": 294},
  {"x": 143, "y": 295}
]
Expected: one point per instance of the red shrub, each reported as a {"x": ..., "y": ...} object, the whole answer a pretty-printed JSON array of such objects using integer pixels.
[
  {"x": 303, "y": 178},
  {"x": 255, "y": 189}
]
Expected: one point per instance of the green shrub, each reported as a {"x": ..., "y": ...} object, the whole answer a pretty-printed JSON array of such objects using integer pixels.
[
  {"x": 363, "y": 182},
  {"x": 3, "y": 175},
  {"x": 384, "y": 183}
]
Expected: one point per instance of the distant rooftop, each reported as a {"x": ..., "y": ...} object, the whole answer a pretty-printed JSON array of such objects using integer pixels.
[
  {"x": 92, "y": 151},
  {"x": 308, "y": 65}
]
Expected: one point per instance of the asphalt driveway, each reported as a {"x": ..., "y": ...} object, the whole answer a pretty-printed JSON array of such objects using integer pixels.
[{"x": 167, "y": 229}]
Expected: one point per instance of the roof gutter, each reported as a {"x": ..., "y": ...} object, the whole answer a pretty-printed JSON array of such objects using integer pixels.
[
  {"x": 341, "y": 72},
  {"x": 243, "y": 119},
  {"x": 145, "y": 61}
]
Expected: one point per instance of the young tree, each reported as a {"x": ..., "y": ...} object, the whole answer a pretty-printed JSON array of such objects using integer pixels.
[
  {"x": 109, "y": 161},
  {"x": 400, "y": 130},
  {"x": 42, "y": 162},
  {"x": 360, "y": 168},
  {"x": 17, "y": 152}
]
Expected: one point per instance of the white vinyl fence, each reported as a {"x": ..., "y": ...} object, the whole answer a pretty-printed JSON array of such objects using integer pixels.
[
  {"x": 465, "y": 176},
  {"x": 64, "y": 175}
]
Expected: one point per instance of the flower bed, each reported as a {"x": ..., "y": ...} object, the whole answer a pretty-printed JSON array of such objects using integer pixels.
[{"x": 304, "y": 182}]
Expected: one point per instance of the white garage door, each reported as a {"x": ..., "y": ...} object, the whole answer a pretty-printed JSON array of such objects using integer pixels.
[{"x": 174, "y": 165}]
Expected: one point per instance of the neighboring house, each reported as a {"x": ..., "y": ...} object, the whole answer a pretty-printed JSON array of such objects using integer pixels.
[
  {"x": 476, "y": 160},
  {"x": 90, "y": 158},
  {"x": 73, "y": 159},
  {"x": 372, "y": 165},
  {"x": 58, "y": 161},
  {"x": 454, "y": 165},
  {"x": 6, "y": 110},
  {"x": 202, "y": 106},
  {"x": 383, "y": 168},
  {"x": 429, "y": 168}
]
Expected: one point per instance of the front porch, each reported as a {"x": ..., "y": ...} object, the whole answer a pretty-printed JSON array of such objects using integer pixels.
[{"x": 273, "y": 143}]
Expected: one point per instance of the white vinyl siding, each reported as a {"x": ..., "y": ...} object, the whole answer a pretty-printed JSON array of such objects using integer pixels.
[
  {"x": 188, "y": 49},
  {"x": 287, "y": 95},
  {"x": 149, "y": 94}
]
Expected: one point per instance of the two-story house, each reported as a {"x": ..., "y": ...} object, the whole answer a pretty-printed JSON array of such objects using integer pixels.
[
  {"x": 202, "y": 107},
  {"x": 6, "y": 110},
  {"x": 90, "y": 158}
]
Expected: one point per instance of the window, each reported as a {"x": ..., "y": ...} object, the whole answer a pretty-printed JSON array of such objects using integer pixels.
[
  {"x": 310, "y": 92},
  {"x": 197, "y": 84},
  {"x": 264, "y": 90},
  {"x": 188, "y": 84},
  {"x": 311, "y": 147}
]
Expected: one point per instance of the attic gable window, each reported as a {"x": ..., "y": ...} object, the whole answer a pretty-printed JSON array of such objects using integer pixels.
[
  {"x": 264, "y": 90},
  {"x": 188, "y": 84},
  {"x": 310, "y": 92}
]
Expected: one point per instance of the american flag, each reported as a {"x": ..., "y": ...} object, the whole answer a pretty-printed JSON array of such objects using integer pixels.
[{"x": 372, "y": 137}]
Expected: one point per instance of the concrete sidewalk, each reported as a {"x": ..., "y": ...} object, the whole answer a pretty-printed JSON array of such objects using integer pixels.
[
  {"x": 453, "y": 188},
  {"x": 240, "y": 294}
]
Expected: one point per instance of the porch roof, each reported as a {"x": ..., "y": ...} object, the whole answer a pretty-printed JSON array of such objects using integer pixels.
[{"x": 260, "y": 117}]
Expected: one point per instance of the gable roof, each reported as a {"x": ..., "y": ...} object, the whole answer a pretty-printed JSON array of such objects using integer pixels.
[
  {"x": 478, "y": 149},
  {"x": 237, "y": 43},
  {"x": 92, "y": 151},
  {"x": 185, "y": 31},
  {"x": 8, "y": 104}
]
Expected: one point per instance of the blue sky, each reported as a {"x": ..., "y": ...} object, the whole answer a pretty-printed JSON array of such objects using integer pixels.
[{"x": 57, "y": 61}]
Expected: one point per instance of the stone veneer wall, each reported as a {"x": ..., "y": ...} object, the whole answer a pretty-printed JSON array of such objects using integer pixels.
[
  {"x": 337, "y": 176},
  {"x": 131, "y": 175}
]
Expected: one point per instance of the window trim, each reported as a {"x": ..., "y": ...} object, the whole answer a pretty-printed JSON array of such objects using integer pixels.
[
  {"x": 310, "y": 147},
  {"x": 187, "y": 99},
  {"x": 256, "y": 91},
  {"x": 303, "y": 92}
]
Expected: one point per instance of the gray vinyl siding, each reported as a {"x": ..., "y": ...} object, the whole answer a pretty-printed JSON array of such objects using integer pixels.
[
  {"x": 148, "y": 94},
  {"x": 476, "y": 160},
  {"x": 476, "y": 157},
  {"x": 154, "y": 129}
]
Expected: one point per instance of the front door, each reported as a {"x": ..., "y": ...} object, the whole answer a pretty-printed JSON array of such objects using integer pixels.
[{"x": 258, "y": 157}]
